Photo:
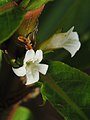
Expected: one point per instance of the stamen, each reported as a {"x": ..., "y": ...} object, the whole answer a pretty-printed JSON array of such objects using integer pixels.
[{"x": 27, "y": 42}]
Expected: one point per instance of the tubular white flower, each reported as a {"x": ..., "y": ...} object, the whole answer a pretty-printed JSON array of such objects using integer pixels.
[
  {"x": 31, "y": 66},
  {"x": 68, "y": 41}
]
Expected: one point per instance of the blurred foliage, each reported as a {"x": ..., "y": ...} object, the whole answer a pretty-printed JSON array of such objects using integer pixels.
[{"x": 22, "y": 113}]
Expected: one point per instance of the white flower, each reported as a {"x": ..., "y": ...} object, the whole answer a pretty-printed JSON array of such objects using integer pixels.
[
  {"x": 31, "y": 66},
  {"x": 68, "y": 41}
]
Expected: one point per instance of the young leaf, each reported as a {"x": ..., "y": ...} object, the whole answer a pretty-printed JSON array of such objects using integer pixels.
[{"x": 67, "y": 89}]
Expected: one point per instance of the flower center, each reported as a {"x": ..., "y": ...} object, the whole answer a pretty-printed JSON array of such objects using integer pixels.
[{"x": 32, "y": 61}]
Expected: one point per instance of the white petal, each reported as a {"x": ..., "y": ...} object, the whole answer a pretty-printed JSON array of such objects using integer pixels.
[
  {"x": 72, "y": 44},
  {"x": 32, "y": 77},
  {"x": 71, "y": 30},
  {"x": 68, "y": 40},
  {"x": 39, "y": 56},
  {"x": 19, "y": 71},
  {"x": 29, "y": 55},
  {"x": 42, "y": 68}
]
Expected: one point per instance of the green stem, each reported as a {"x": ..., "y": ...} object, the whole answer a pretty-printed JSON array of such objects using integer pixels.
[{"x": 63, "y": 95}]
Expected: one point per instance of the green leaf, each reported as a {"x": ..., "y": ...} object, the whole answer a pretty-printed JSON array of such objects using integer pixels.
[
  {"x": 9, "y": 22},
  {"x": 22, "y": 113},
  {"x": 67, "y": 89}
]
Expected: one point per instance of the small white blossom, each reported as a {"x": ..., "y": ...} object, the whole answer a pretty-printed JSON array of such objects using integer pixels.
[
  {"x": 31, "y": 66},
  {"x": 69, "y": 41}
]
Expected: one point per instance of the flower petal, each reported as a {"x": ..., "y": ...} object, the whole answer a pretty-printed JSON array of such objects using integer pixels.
[
  {"x": 29, "y": 55},
  {"x": 32, "y": 77},
  {"x": 70, "y": 30},
  {"x": 39, "y": 56},
  {"x": 19, "y": 71},
  {"x": 42, "y": 68},
  {"x": 72, "y": 44}
]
